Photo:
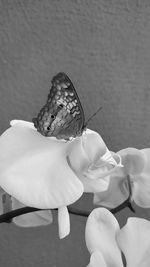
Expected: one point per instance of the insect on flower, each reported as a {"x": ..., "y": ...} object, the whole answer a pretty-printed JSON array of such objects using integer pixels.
[{"x": 62, "y": 116}]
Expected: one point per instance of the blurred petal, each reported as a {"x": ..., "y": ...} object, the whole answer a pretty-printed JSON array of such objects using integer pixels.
[
  {"x": 100, "y": 234},
  {"x": 92, "y": 161},
  {"x": 141, "y": 184},
  {"x": 105, "y": 166},
  {"x": 133, "y": 160},
  {"x": 86, "y": 150},
  {"x": 97, "y": 260},
  {"x": 34, "y": 169},
  {"x": 33, "y": 219},
  {"x": 98, "y": 185},
  {"x": 112, "y": 158},
  {"x": 93, "y": 145},
  {"x": 141, "y": 191},
  {"x": 63, "y": 222},
  {"x": 134, "y": 240},
  {"x": 116, "y": 193}
]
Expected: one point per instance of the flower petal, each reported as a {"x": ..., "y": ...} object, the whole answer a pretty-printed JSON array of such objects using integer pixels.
[
  {"x": 97, "y": 185},
  {"x": 116, "y": 193},
  {"x": 63, "y": 222},
  {"x": 34, "y": 169},
  {"x": 93, "y": 145},
  {"x": 141, "y": 184},
  {"x": 97, "y": 260},
  {"x": 33, "y": 219},
  {"x": 100, "y": 234},
  {"x": 24, "y": 123},
  {"x": 85, "y": 150},
  {"x": 133, "y": 160},
  {"x": 91, "y": 161},
  {"x": 141, "y": 191},
  {"x": 134, "y": 241}
]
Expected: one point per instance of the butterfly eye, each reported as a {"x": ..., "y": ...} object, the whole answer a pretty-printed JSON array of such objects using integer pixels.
[
  {"x": 52, "y": 116},
  {"x": 48, "y": 128}
]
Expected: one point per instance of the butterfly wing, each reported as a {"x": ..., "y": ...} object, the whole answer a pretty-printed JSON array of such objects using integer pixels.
[{"x": 62, "y": 116}]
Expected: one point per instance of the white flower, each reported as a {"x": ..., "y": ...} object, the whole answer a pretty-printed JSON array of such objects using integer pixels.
[
  {"x": 136, "y": 165},
  {"x": 47, "y": 173},
  {"x": 105, "y": 240}
]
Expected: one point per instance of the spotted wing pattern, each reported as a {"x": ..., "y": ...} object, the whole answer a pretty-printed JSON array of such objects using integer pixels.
[{"x": 62, "y": 116}]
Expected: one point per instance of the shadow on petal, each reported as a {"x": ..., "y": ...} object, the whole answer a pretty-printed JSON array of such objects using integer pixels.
[
  {"x": 116, "y": 193},
  {"x": 33, "y": 219}
]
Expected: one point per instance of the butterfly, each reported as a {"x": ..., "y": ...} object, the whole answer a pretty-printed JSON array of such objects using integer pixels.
[{"x": 62, "y": 116}]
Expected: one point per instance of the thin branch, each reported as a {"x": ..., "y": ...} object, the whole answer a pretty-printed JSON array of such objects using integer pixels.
[
  {"x": 7, "y": 217},
  {"x": 130, "y": 194},
  {"x": 127, "y": 202}
]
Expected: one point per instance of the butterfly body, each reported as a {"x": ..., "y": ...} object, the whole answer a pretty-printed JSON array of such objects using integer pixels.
[{"x": 62, "y": 116}]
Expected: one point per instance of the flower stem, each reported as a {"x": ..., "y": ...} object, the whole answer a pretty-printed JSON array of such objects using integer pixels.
[
  {"x": 7, "y": 217},
  {"x": 127, "y": 202}
]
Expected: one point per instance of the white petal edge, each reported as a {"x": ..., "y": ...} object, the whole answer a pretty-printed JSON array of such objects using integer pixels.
[
  {"x": 23, "y": 123},
  {"x": 100, "y": 234},
  {"x": 97, "y": 260},
  {"x": 63, "y": 222},
  {"x": 134, "y": 240}
]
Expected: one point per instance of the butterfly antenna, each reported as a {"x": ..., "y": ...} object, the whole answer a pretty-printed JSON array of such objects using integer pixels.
[{"x": 90, "y": 118}]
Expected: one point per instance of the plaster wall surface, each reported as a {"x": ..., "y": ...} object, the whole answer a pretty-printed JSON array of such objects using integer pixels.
[{"x": 104, "y": 47}]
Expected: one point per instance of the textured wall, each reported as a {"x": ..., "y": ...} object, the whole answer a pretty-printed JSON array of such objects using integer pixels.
[{"x": 104, "y": 46}]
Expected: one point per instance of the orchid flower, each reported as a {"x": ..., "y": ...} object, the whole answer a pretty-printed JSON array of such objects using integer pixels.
[
  {"x": 105, "y": 240},
  {"x": 47, "y": 173},
  {"x": 136, "y": 166}
]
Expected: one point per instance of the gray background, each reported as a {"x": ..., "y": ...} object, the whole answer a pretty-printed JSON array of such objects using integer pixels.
[{"x": 104, "y": 47}]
